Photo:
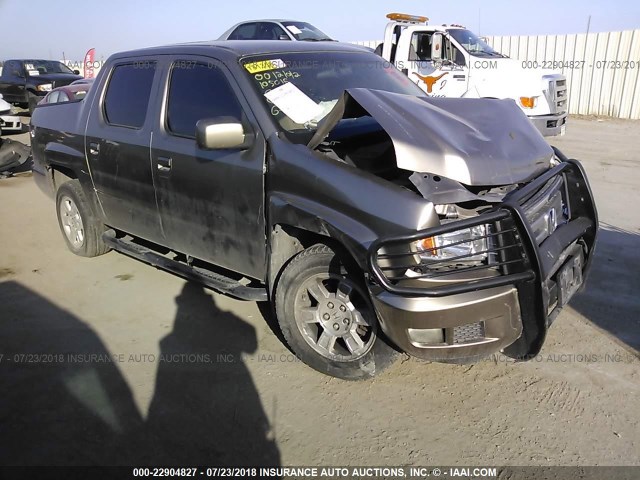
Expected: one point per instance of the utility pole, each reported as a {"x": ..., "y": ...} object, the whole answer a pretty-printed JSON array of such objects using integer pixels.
[{"x": 588, "y": 24}]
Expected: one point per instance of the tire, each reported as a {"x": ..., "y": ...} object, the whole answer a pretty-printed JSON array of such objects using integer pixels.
[
  {"x": 326, "y": 316},
  {"x": 81, "y": 230}
]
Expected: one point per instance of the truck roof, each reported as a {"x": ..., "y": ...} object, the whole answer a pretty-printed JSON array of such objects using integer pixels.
[{"x": 241, "y": 48}]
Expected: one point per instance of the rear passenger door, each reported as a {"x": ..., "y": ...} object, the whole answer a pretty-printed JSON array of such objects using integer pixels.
[
  {"x": 211, "y": 202},
  {"x": 117, "y": 146}
]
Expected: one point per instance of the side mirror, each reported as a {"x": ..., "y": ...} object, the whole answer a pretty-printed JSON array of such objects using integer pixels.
[
  {"x": 76, "y": 72},
  {"x": 283, "y": 37},
  {"x": 436, "y": 46},
  {"x": 222, "y": 133}
]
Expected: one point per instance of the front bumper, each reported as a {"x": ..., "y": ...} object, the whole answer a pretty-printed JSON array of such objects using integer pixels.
[
  {"x": 550, "y": 125},
  {"x": 10, "y": 123},
  {"x": 509, "y": 310}
]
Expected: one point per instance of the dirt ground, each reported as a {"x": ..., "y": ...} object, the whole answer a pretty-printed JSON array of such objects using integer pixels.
[{"x": 109, "y": 361}]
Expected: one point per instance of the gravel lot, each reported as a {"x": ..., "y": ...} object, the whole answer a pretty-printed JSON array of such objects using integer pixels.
[{"x": 227, "y": 391}]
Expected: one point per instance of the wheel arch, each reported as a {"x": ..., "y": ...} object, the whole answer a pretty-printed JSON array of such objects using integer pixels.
[
  {"x": 61, "y": 174},
  {"x": 294, "y": 228},
  {"x": 64, "y": 163}
]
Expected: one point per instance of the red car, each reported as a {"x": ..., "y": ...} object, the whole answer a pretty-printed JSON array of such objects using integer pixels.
[{"x": 68, "y": 93}]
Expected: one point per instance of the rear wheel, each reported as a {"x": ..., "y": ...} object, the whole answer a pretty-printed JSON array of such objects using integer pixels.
[
  {"x": 81, "y": 230},
  {"x": 327, "y": 318}
]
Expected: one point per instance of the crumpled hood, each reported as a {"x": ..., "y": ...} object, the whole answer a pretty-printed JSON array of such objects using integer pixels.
[{"x": 473, "y": 141}]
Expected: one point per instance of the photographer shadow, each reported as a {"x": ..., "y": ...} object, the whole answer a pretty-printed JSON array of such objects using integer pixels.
[
  {"x": 206, "y": 408},
  {"x": 65, "y": 402}
]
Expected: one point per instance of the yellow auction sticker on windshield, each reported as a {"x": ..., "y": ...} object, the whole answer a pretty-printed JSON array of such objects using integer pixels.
[{"x": 265, "y": 65}]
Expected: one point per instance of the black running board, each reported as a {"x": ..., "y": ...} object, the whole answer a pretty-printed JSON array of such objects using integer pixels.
[{"x": 208, "y": 278}]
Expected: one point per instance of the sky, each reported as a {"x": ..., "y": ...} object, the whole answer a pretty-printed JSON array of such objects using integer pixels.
[{"x": 73, "y": 26}]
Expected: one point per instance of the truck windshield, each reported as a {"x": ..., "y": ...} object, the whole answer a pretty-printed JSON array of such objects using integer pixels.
[
  {"x": 42, "y": 67},
  {"x": 472, "y": 43},
  {"x": 306, "y": 32},
  {"x": 300, "y": 89}
]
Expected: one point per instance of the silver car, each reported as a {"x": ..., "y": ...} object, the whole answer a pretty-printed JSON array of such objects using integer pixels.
[{"x": 275, "y": 30}]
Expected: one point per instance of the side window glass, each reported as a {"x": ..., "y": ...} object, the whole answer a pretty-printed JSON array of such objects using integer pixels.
[
  {"x": 279, "y": 32},
  {"x": 244, "y": 32},
  {"x": 267, "y": 31},
  {"x": 53, "y": 97},
  {"x": 12, "y": 68},
  {"x": 420, "y": 49},
  {"x": 128, "y": 92},
  {"x": 423, "y": 47},
  {"x": 198, "y": 91},
  {"x": 63, "y": 97},
  {"x": 457, "y": 56}
]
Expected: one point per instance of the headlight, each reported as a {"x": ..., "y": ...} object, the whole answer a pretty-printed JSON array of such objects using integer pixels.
[
  {"x": 466, "y": 245},
  {"x": 45, "y": 87}
]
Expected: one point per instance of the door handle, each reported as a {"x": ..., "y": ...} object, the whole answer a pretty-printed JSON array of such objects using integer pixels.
[
  {"x": 94, "y": 148},
  {"x": 164, "y": 164}
]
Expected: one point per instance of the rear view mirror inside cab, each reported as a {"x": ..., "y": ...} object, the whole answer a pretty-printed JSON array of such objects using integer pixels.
[{"x": 222, "y": 133}]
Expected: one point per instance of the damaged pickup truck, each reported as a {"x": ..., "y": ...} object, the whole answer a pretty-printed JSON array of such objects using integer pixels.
[{"x": 320, "y": 179}]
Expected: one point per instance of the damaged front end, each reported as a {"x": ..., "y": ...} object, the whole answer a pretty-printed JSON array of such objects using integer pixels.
[{"x": 516, "y": 226}]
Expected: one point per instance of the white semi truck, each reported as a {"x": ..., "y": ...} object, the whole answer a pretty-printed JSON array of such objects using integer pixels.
[{"x": 451, "y": 61}]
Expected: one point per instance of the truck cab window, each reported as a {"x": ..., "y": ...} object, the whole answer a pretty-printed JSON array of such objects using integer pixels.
[
  {"x": 457, "y": 57},
  {"x": 421, "y": 45},
  {"x": 12, "y": 68},
  {"x": 454, "y": 54},
  {"x": 127, "y": 97},
  {"x": 198, "y": 91}
]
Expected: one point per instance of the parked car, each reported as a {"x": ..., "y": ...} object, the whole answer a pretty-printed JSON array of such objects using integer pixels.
[
  {"x": 70, "y": 93},
  {"x": 324, "y": 181},
  {"x": 26, "y": 82},
  {"x": 275, "y": 30},
  {"x": 8, "y": 121}
]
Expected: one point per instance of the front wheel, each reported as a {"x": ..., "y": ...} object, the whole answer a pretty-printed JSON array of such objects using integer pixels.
[{"x": 326, "y": 316}]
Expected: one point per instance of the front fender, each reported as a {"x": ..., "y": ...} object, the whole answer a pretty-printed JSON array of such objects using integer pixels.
[
  {"x": 305, "y": 214},
  {"x": 313, "y": 192}
]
